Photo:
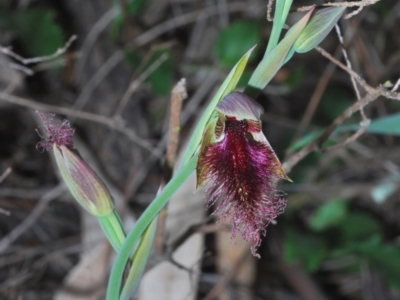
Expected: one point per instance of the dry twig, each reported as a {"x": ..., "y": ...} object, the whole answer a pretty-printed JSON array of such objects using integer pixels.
[
  {"x": 17, "y": 67},
  {"x": 178, "y": 95},
  {"x": 2, "y": 177},
  {"x": 372, "y": 94},
  {"x": 339, "y": 4},
  {"x": 81, "y": 115},
  {"x": 269, "y": 10},
  {"x": 315, "y": 98},
  {"x": 140, "y": 174},
  {"x": 365, "y": 121},
  {"x": 396, "y": 86},
  {"x": 27, "y": 61},
  {"x": 5, "y": 174},
  {"x": 33, "y": 60},
  {"x": 137, "y": 82},
  {"x": 91, "y": 38},
  {"x": 158, "y": 30},
  {"x": 227, "y": 277},
  {"x": 316, "y": 144},
  {"x": 32, "y": 218}
]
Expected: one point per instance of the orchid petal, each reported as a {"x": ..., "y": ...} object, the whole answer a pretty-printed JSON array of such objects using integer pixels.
[
  {"x": 277, "y": 166},
  {"x": 241, "y": 106},
  {"x": 213, "y": 133},
  {"x": 227, "y": 86}
]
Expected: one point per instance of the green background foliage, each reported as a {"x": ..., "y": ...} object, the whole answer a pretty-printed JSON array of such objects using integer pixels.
[{"x": 36, "y": 29}]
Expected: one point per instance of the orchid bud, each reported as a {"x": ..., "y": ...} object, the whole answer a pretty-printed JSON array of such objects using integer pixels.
[
  {"x": 317, "y": 28},
  {"x": 84, "y": 184},
  {"x": 238, "y": 165},
  {"x": 275, "y": 58}
]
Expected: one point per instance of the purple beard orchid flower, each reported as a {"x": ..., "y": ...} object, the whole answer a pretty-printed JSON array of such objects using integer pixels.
[{"x": 238, "y": 165}]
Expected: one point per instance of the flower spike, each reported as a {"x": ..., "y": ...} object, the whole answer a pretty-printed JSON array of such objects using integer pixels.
[{"x": 239, "y": 166}]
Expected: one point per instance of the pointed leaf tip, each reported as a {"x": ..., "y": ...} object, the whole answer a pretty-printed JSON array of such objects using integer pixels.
[
  {"x": 320, "y": 24},
  {"x": 275, "y": 58}
]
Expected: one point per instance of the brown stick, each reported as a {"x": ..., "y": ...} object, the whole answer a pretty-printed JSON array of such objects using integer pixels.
[
  {"x": 178, "y": 94},
  {"x": 81, "y": 115},
  {"x": 227, "y": 277},
  {"x": 316, "y": 145}
]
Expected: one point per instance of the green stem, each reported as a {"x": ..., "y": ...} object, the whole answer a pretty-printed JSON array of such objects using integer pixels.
[
  {"x": 134, "y": 235},
  {"x": 113, "y": 229},
  {"x": 139, "y": 261}
]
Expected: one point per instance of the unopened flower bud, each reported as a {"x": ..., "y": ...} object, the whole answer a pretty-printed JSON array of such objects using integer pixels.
[
  {"x": 84, "y": 184},
  {"x": 320, "y": 24}
]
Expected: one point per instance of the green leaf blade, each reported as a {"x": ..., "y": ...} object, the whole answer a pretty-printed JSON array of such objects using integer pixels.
[
  {"x": 36, "y": 29},
  {"x": 281, "y": 12},
  {"x": 114, "y": 283},
  {"x": 305, "y": 248},
  {"x": 328, "y": 215},
  {"x": 139, "y": 261},
  {"x": 272, "y": 62}
]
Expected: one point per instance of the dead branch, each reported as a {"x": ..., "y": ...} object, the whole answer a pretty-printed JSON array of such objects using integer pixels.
[
  {"x": 32, "y": 218},
  {"x": 81, "y": 115},
  {"x": 33, "y": 60},
  {"x": 341, "y": 4},
  {"x": 316, "y": 145},
  {"x": 5, "y": 174}
]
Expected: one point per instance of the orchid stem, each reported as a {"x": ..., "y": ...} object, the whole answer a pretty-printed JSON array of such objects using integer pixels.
[
  {"x": 113, "y": 229},
  {"x": 134, "y": 235}
]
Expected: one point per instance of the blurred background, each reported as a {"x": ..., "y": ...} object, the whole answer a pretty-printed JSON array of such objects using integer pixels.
[{"x": 339, "y": 236}]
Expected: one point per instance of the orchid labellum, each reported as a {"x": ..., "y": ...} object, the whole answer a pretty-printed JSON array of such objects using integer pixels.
[{"x": 239, "y": 166}]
